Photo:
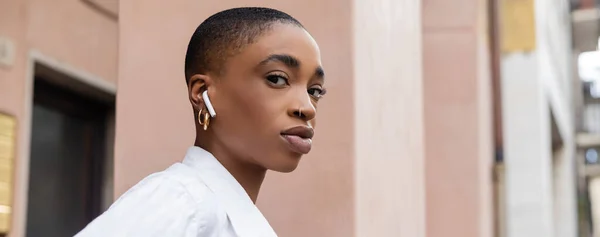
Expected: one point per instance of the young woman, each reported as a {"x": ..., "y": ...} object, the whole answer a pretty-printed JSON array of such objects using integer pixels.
[{"x": 254, "y": 79}]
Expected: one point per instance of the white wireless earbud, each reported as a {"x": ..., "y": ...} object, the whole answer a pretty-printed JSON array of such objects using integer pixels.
[{"x": 209, "y": 106}]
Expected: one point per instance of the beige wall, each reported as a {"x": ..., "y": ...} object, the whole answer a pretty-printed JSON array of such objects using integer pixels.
[{"x": 70, "y": 34}]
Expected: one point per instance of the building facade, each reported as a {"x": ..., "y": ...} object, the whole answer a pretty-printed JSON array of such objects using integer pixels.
[{"x": 431, "y": 126}]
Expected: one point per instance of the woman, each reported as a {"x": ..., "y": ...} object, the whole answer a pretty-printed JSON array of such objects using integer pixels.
[{"x": 254, "y": 78}]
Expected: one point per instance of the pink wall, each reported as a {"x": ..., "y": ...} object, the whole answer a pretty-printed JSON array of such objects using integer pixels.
[
  {"x": 69, "y": 32},
  {"x": 13, "y": 22},
  {"x": 74, "y": 33},
  {"x": 63, "y": 30},
  {"x": 12, "y": 89},
  {"x": 155, "y": 121}
]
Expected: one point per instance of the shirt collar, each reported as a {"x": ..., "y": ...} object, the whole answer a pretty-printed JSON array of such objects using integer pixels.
[{"x": 245, "y": 217}]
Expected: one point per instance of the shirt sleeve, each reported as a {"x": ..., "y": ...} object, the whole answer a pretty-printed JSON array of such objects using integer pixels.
[{"x": 157, "y": 206}]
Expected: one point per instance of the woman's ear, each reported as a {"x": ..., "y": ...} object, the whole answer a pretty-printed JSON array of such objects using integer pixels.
[{"x": 197, "y": 84}]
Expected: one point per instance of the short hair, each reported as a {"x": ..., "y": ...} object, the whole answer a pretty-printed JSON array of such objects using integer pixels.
[{"x": 225, "y": 33}]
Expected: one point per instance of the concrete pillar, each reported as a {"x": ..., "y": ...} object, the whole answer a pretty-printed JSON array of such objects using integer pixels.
[
  {"x": 540, "y": 195},
  {"x": 527, "y": 148},
  {"x": 458, "y": 118},
  {"x": 388, "y": 113}
]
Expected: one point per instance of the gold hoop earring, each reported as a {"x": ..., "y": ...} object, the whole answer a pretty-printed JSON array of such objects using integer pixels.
[
  {"x": 200, "y": 117},
  {"x": 206, "y": 121}
]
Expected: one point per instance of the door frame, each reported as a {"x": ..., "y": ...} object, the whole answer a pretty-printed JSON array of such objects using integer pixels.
[{"x": 21, "y": 174}]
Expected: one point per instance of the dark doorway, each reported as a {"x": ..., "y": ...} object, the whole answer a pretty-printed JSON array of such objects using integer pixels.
[{"x": 68, "y": 150}]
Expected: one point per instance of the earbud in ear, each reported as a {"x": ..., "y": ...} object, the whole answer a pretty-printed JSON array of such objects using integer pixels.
[{"x": 209, "y": 106}]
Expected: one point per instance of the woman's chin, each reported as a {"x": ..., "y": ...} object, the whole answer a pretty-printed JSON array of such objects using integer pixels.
[{"x": 285, "y": 167}]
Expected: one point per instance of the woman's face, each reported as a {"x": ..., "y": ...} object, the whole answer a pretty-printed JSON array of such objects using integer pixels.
[{"x": 266, "y": 99}]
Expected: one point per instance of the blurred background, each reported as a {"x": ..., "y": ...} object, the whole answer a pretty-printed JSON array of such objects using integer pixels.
[{"x": 454, "y": 118}]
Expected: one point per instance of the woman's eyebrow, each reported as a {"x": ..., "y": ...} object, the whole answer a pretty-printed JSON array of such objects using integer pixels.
[
  {"x": 288, "y": 60},
  {"x": 291, "y": 62}
]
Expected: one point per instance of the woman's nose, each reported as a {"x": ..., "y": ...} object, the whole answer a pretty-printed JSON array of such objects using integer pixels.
[{"x": 305, "y": 111}]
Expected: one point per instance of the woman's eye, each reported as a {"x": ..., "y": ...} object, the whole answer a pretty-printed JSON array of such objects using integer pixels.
[
  {"x": 316, "y": 92},
  {"x": 277, "y": 80}
]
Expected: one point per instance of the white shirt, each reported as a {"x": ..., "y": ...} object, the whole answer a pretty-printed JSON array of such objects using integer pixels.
[{"x": 195, "y": 198}]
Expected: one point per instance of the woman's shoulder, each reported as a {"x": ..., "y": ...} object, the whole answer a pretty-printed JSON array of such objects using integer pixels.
[
  {"x": 177, "y": 183},
  {"x": 163, "y": 201}
]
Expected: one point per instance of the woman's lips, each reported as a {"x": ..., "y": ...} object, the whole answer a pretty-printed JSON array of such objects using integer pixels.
[
  {"x": 298, "y": 144},
  {"x": 299, "y": 138}
]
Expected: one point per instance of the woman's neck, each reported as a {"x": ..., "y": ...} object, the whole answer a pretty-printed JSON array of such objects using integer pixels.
[{"x": 248, "y": 175}]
